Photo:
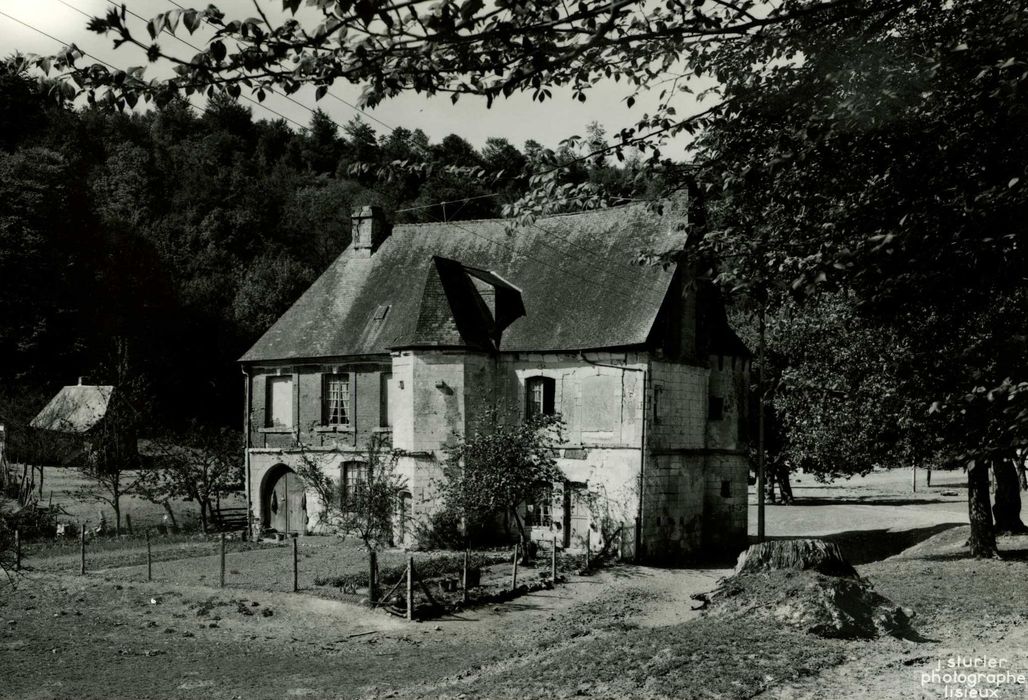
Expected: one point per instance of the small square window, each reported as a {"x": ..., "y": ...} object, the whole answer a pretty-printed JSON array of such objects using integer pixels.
[
  {"x": 380, "y": 312},
  {"x": 715, "y": 408}
]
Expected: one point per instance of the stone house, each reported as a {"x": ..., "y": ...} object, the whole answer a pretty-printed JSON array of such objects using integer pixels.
[{"x": 417, "y": 329}]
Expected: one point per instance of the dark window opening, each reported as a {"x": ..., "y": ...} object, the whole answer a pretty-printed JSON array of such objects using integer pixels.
[
  {"x": 385, "y": 380},
  {"x": 539, "y": 394},
  {"x": 715, "y": 408},
  {"x": 658, "y": 403},
  {"x": 726, "y": 488}
]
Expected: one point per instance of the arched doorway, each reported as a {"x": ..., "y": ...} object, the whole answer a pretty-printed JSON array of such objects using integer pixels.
[{"x": 284, "y": 497}]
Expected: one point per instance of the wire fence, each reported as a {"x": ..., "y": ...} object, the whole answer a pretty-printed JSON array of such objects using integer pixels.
[{"x": 413, "y": 586}]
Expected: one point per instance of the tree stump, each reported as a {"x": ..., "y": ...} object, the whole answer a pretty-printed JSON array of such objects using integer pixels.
[{"x": 801, "y": 554}]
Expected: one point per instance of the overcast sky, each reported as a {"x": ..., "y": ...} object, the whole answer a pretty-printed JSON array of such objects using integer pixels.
[{"x": 517, "y": 119}]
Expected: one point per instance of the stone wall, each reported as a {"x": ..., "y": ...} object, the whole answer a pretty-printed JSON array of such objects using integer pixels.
[{"x": 694, "y": 477}]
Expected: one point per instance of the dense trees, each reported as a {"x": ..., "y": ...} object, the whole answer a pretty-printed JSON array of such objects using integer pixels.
[
  {"x": 172, "y": 240},
  {"x": 886, "y": 163},
  {"x": 871, "y": 149}
]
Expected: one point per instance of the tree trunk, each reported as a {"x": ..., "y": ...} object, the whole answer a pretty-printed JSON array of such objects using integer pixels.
[
  {"x": 171, "y": 514},
  {"x": 1021, "y": 473},
  {"x": 203, "y": 517},
  {"x": 521, "y": 533},
  {"x": 117, "y": 516},
  {"x": 784, "y": 485},
  {"x": 928, "y": 477},
  {"x": 983, "y": 538},
  {"x": 1007, "y": 509}
]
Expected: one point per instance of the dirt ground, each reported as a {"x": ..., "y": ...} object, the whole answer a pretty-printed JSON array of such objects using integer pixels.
[{"x": 627, "y": 631}]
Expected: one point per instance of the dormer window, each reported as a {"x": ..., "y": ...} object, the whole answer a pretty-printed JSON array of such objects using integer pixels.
[{"x": 539, "y": 393}]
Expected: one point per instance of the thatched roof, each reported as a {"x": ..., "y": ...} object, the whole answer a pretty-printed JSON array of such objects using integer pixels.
[{"x": 76, "y": 409}]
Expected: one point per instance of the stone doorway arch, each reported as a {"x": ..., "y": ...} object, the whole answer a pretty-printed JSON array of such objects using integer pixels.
[{"x": 284, "y": 501}]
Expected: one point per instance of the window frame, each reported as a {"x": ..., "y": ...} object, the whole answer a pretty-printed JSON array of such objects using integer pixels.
[
  {"x": 540, "y": 507},
  {"x": 547, "y": 405},
  {"x": 357, "y": 469},
  {"x": 270, "y": 382},
  {"x": 385, "y": 420},
  {"x": 658, "y": 404},
  {"x": 346, "y": 398}
]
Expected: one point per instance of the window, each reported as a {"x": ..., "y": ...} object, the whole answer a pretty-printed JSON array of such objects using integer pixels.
[
  {"x": 540, "y": 508},
  {"x": 726, "y": 488},
  {"x": 715, "y": 408},
  {"x": 539, "y": 392},
  {"x": 351, "y": 475},
  {"x": 658, "y": 403},
  {"x": 336, "y": 393},
  {"x": 279, "y": 404},
  {"x": 385, "y": 380}
]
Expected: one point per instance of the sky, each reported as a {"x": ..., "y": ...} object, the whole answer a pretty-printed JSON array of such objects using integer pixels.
[{"x": 517, "y": 119}]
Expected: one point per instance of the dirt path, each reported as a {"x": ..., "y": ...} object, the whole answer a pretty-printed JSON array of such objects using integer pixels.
[{"x": 68, "y": 636}]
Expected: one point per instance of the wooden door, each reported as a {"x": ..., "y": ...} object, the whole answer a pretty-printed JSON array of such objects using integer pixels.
[
  {"x": 287, "y": 503},
  {"x": 578, "y": 515},
  {"x": 296, "y": 494}
]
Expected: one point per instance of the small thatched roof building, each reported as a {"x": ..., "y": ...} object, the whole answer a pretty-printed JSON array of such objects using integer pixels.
[
  {"x": 75, "y": 409},
  {"x": 93, "y": 421}
]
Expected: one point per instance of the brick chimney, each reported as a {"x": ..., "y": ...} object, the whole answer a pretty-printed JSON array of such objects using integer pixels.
[{"x": 368, "y": 230}]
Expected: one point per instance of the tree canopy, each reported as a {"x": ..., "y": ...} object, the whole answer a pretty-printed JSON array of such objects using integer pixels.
[{"x": 869, "y": 149}]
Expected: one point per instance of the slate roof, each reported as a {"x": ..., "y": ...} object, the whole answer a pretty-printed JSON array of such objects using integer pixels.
[
  {"x": 577, "y": 275},
  {"x": 75, "y": 409}
]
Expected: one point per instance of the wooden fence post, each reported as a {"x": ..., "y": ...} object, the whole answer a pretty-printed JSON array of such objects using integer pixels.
[
  {"x": 588, "y": 549},
  {"x": 553, "y": 561},
  {"x": 372, "y": 570},
  {"x": 149, "y": 558},
  {"x": 128, "y": 523},
  {"x": 82, "y": 549},
  {"x": 637, "y": 554},
  {"x": 464, "y": 578},
  {"x": 514, "y": 571},
  {"x": 17, "y": 550},
  {"x": 410, "y": 588},
  {"x": 221, "y": 578},
  {"x": 296, "y": 565}
]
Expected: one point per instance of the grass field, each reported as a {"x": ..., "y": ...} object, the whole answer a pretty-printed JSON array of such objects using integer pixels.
[
  {"x": 63, "y": 487},
  {"x": 629, "y": 631}
]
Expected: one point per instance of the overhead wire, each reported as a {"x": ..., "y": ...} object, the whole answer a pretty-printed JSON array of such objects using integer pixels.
[
  {"x": 201, "y": 108},
  {"x": 631, "y": 292},
  {"x": 603, "y": 268}
]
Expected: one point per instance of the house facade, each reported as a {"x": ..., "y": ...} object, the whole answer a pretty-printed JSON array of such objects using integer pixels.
[{"x": 417, "y": 331}]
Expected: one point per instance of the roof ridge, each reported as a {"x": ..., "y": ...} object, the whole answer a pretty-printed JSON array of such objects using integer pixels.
[{"x": 458, "y": 222}]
